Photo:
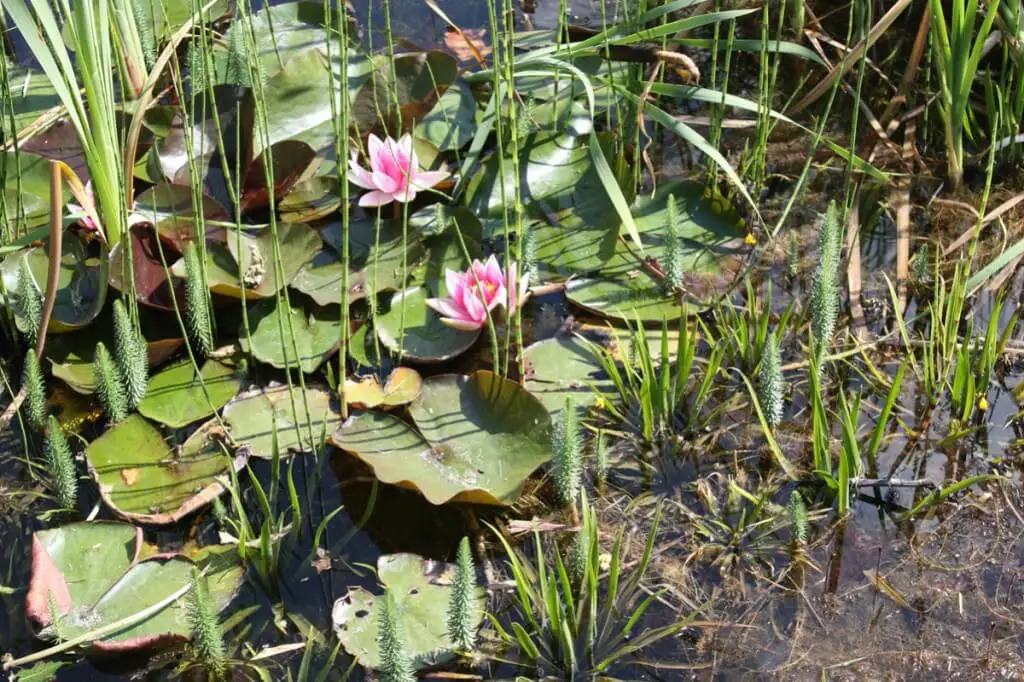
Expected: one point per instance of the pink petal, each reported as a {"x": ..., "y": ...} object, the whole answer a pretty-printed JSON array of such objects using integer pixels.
[
  {"x": 453, "y": 280},
  {"x": 492, "y": 271},
  {"x": 359, "y": 176},
  {"x": 404, "y": 146},
  {"x": 374, "y": 146},
  {"x": 385, "y": 183},
  {"x": 404, "y": 197},
  {"x": 427, "y": 179},
  {"x": 446, "y": 308},
  {"x": 375, "y": 198},
  {"x": 462, "y": 325}
]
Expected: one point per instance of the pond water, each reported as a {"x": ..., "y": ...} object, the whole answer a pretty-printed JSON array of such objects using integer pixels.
[{"x": 874, "y": 596}]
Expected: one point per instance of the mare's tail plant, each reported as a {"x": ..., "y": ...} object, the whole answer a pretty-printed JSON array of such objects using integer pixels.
[
  {"x": 201, "y": 613},
  {"x": 568, "y": 454},
  {"x": 29, "y": 302},
  {"x": 673, "y": 249},
  {"x": 462, "y": 616},
  {"x": 35, "y": 390},
  {"x": 197, "y": 311},
  {"x": 130, "y": 351},
  {"x": 108, "y": 385},
  {"x": 825, "y": 288},
  {"x": 61, "y": 465},
  {"x": 769, "y": 382},
  {"x": 395, "y": 665}
]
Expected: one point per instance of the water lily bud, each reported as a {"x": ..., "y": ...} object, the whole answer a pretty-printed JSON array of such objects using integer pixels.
[
  {"x": 568, "y": 460},
  {"x": 130, "y": 353},
  {"x": 462, "y": 605},
  {"x": 108, "y": 385},
  {"x": 35, "y": 390},
  {"x": 61, "y": 465}
]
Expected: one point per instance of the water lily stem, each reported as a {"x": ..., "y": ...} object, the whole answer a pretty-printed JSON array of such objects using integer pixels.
[{"x": 94, "y": 635}]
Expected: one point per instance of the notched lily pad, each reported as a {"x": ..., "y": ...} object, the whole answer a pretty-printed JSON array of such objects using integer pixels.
[
  {"x": 421, "y": 589},
  {"x": 175, "y": 396},
  {"x": 561, "y": 367},
  {"x": 316, "y": 335},
  {"x": 479, "y": 438},
  {"x": 402, "y": 387},
  {"x": 251, "y": 416},
  {"x": 92, "y": 575},
  {"x": 418, "y": 335},
  {"x": 142, "y": 479}
]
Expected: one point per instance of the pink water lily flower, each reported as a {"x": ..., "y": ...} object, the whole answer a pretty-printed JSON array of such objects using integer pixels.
[
  {"x": 78, "y": 211},
  {"x": 394, "y": 173},
  {"x": 477, "y": 292}
]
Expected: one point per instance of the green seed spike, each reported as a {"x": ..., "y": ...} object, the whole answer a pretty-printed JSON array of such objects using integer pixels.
[
  {"x": 35, "y": 390},
  {"x": 198, "y": 311},
  {"x": 202, "y": 620},
  {"x": 130, "y": 352},
  {"x": 579, "y": 555},
  {"x": 30, "y": 302},
  {"x": 143, "y": 17},
  {"x": 462, "y": 605},
  {"x": 825, "y": 288},
  {"x": 395, "y": 665},
  {"x": 61, "y": 465},
  {"x": 673, "y": 248},
  {"x": 568, "y": 459},
  {"x": 769, "y": 382},
  {"x": 108, "y": 385},
  {"x": 601, "y": 448},
  {"x": 235, "y": 70},
  {"x": 798, "y": 518}
]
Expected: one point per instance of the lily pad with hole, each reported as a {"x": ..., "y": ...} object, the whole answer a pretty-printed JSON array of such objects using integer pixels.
[
  {"x": 402, "y": 387},
  {"x": 315, "y": 334},
  {"x": 175, "y": 397},
  {"x": 418, "y": 334},
  {"x": 421, "y": 589},
  {"x": 477, "y": 438},
  {"x": 565, "y": 366},
  {"x": 93, "y": 574},
  {"x": 144, "y": 480},
  {"x": 252, "y": 415}
]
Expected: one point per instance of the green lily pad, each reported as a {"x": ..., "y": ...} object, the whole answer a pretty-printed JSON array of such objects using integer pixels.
[
  {"x": 27, "y": 204},
  {"x": 32, "y": 95},
  {"x": 251, "y": 415},
  {"x": 310, "y": 200},
  {"x": 316, "y": 335},
  {"x": 403, "y": 386},
  {"x": 142, "y": 479},
  {"x": 376, "y": 254},
  {"x": 420, "y": 79},
  {"x": 298, "y": 244},
  {"x": 320, "y": 279},
  {"x": 562, "y": 367},
  {"x": 176, "y": 398},
  {"x": 420, "y": 336},
  {"x": 638, "y": 299},
  {"x": 81, "y": 282},
  {"x": 421, "y": 590},
  {"x": 452, "y": 122},
  {"x": 479, "y": 438},
  {"x": 92, "y": 575},
  {"x": 169, "y": 209}
]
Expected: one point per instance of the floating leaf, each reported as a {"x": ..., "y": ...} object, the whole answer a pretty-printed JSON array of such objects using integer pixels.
[
  {"x": 421, "y": 589},
  {"x": 26, "y": 189},
  {"x": 310, "y": 200},
  {"x": 419, "y": 334},
  {"x": 316, "y": 335},
  {"x": 142, "y": 479},
  {"x": 175, "y": 396},
  {"x": 480, "y": 437},
  {"x": 152, "y": 286},
  {"x": 637, "y": 298},
  {"x": 452, "y": 122},
  {"x": 169, "y": 209},
  {"x": 320, "y": 279},
  {"x": 402, "y": 387},
  {"x": 561, "y": 367},
  {"x": 376, "y": 252},
  {"x": 420, "y": 78},
  {"x": 251, "y": 414}
]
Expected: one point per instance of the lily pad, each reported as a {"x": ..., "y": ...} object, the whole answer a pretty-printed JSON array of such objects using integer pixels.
[
  {"x": 298, "y": 244},
  {"x": 421, "y": 589},
  {"x": 562, "y": 367},
  {"x": 310, "y": 200},
  {"x": 142, "y": 479},
  {"x": 320, "y": 279},
  {"x": 26, "y": 189},
  {"x": 81, "y": 282},
  {"x": 402, "y": 387},
  {"x": 32, "y": 95},
  {"x": 419, "y": 335},
  {"x": 168, "y": 208},
  {"x": 452, "y": 122},
  {"x": 420, "y": 79},
  {"x": 251, "y": 416},
  {"x": 316, "y": 335},
  {"x": 175, "y": 396},
  {"x": 152, "y": 285},
  {"x": 376, "y": 253},
  {"x": 640, "y": 298},
  {"x": 479, "y": 439},
  {"x": 93, "y": 576}
]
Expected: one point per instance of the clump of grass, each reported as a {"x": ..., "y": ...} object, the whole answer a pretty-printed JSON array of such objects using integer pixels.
[
  {"x": 108, "y": 385},
  {"x": 825, "y": 288},
  {"x": 769, "y": 382},
  {"x": 568, "y": 454},
  {"x": 35, "y": 390},
  {"x": 130, "y": 352},
  {"x": 197, "y": 311},
  {"x": 61, "y": 465},
  {"x": 462, "y": 606},
  {"x": 201, "y": 613},
  {"x": 30, "y": 302},
  {"x": 395, "y": 665}
]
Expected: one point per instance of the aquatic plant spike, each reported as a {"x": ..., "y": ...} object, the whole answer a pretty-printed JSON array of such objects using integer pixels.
[
  {"x": 673, "y": 249},
  {"x": 201, "y": 613},
  {"x": 462, "y": 617},
  {"x": 108, "y": 385},
  {"x": 769, "y": 382},
  {"x": 798, "y": 518},
  {"x": 395, "y": 665},
  {"x": 61, "y": 465},
  {"x": 30, "y": 301},
  {"x": 197, "y": 312},
  {"x": 825, "y": 288},
  {"x": 474, "y": 294},
  {"x": 130, "y": 352},
  {"x": 580, "y": 555},
  {"x": 394, "y": 173},
  {"x": 35, "y": 390},
  {"x": 568, "y": 458},
  {"x": 601, "y": 456}
]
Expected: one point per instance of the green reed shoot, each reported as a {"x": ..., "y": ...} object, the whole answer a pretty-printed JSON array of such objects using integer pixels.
[
  {"x": 29, "y": 302},
  {"x": 131, "y": 355},
  {"x": 825, "y": 287},
  {"x": 395, "y": 663},
  {"x": 201, "y": 613},
  {"x": 567, "y": 460},
  {"x": 744, "y": 330},
  {"x": 975, "y": 363}
]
